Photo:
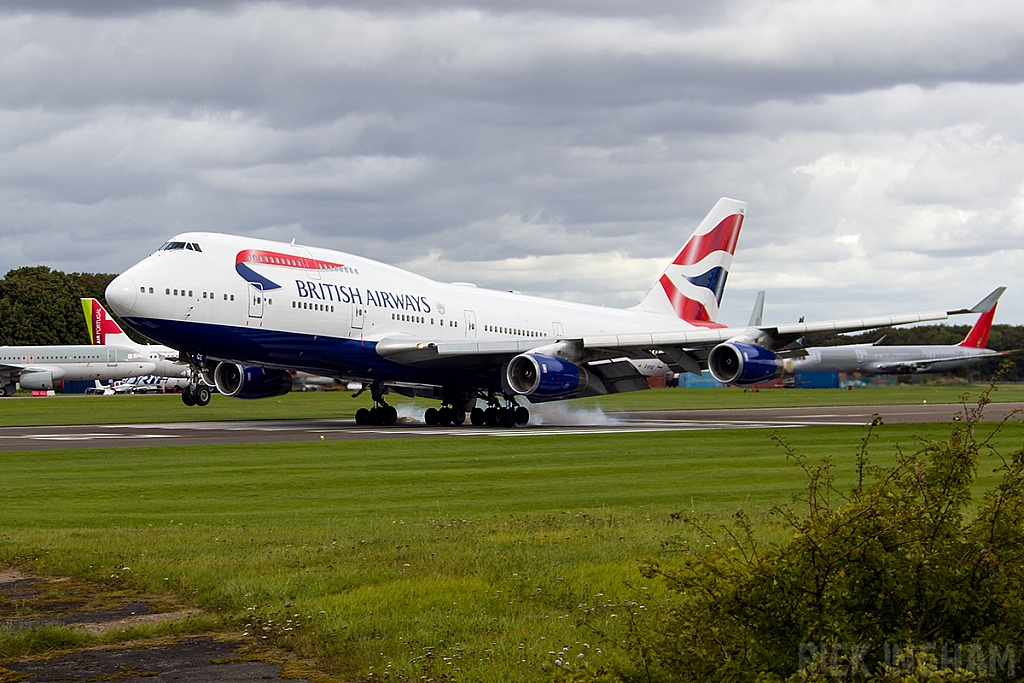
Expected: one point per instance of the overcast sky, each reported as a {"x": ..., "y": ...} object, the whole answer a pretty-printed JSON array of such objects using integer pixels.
[{"x": 565, "y": 149}]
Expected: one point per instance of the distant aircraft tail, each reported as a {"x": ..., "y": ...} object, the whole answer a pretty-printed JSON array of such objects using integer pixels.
[
  {"x": 102, "y": 328},
  {"x": 692, "y": 285},
  {"x": 977, "y": 338}
]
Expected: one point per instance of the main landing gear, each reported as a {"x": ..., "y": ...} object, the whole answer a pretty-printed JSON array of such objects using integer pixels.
[
  {"x": 444, "y": 416},
  {"x": 496, "y": 415},
  {"x": 381, "y": 413}
]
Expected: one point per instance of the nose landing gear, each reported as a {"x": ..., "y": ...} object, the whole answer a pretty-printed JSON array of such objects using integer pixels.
[{"x": 196, "y": 393}]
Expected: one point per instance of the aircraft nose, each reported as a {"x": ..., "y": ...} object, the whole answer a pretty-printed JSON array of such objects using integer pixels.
[{"x": 121, "y": 294}]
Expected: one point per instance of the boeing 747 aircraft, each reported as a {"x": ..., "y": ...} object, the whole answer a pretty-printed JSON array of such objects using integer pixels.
[
  {"x": 41, "y": 368},
  {"x": 871, "y": 359},
  {"x": 245, "y": 311}
]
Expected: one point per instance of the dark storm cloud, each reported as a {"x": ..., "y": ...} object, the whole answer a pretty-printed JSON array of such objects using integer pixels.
[{"x": 878, "y": 144}]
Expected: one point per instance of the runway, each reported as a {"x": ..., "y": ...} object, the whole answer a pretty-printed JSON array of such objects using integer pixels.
[{"x": 553, "y": 422}]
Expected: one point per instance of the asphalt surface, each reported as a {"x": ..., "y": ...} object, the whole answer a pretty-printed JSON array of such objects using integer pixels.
[{"x": 549, "y": 421}]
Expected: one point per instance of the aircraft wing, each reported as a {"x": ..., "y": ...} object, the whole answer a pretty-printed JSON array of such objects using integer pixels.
[{"x": 683, "y": 350}]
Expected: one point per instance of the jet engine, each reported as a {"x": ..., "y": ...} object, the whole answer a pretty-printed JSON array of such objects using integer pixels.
[
  {"x": 37, "y": 381},
  {"x": 735, "y": 363},
  {"x": 250, "y": 381},
  {"x": 545, "y": 377}
]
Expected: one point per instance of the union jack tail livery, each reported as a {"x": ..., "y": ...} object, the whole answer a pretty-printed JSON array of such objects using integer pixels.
[
  {"x": 691, "y": 287},
  {"x": 102, "y": 328}
]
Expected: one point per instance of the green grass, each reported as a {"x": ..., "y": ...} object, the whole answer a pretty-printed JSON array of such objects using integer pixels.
[
  {"x": 475, "y": 558},
  {"x": 337, "y": 404}
]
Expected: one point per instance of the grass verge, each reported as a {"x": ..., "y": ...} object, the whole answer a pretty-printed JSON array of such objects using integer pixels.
[{"x": 467, "y": 559}]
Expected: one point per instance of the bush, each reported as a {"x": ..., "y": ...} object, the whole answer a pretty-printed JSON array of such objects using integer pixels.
[{"x": 902, "y": 578}]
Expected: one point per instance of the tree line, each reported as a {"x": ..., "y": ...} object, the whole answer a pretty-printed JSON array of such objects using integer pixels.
[{"x": 41, "y": 306}]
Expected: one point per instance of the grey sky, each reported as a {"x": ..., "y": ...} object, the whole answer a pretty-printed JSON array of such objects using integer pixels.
[{"x": 563, "y": 149}]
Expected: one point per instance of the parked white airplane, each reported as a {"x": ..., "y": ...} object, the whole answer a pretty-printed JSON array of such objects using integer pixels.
[
  {"x": 147, "y": 384},
  {"x": 41, "y": 368},
  {"x": 871, "y": 359},
  {"x": 104, "y": 330},
  {"x": 246, "y": 311}
]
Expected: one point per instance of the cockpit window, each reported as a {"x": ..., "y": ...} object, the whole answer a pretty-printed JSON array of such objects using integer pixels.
[{"x": 172, "y": 246}]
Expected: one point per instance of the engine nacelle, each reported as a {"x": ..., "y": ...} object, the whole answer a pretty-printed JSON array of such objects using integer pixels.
[
  {"x": 250, "y": 381},
  {"x": 37, "y": 381},
  {"x": 735, "y": 363},
  {"x": 539, "y": 376}
]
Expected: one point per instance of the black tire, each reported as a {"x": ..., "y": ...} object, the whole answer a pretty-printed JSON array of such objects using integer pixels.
[
  {"x": 522, "y": 416},
  {"x": 390, "y": 415},
  {"x": 3, "y": 391},
  {"x": 458, "y": 416},
  {"x": 430, "y": 417},
  {"x": 444, "y": 416},
  {"x": 362, "y": 417},
  {"x": 491, "y": 417},
  {"x": 188, "y": 396},
  {"x": 376, "y": 417},
  {"x": 202, "y": 396},
  {"x": 477, "y": 417},
  {"x": 508, "y": 417}
]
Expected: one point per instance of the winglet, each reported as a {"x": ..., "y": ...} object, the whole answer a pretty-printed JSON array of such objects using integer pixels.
[
  {"x": 982, "y": 306},
  {"x": 757, "y": 314},
  {"x": 986, "y": 304}
]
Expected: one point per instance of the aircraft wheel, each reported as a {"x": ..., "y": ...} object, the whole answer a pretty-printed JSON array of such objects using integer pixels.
[
  {"x": 390, "y": 415},
  {"x": 508, "y": 418},
  {"x": 522, "y": 416},
  {"x": 458, "y": 416},
  {"x": 477, "y": 417},
  {"x": 362, "y": 417},
  {"x": 444, "y": 416},
  {"x": 188, "y": 396},
  {"x": 3, "y": 391},
  {"x": 430, "y": 417},
  {"x": 376, "y": 419},
  {"x": 202, "y": 396},
  {"x": 491, "y": 417}
]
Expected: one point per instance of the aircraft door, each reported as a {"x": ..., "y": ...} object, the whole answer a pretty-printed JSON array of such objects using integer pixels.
[
  {"x": 470, "y": 324},
  {"x": 358, "y": 315},
  {"x": 557, "y": 329},
  {"x": 111, "y": 358},
  {"x": 308, "y": 263},
  {"x": 255, "y": 300}
]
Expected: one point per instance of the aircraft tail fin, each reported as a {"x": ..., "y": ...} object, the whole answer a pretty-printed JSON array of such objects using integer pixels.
[
  {"x": 757, "y": 313},
  {"x": 977, "y": 338},
  {"x": 102, "y": 328},
  {"x": 692, "y": 285}
]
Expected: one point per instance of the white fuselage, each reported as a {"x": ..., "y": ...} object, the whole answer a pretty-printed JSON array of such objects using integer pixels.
[
  {"x": 278, "y": 305},
  {"x": 873, "y": 360},
  {"x": 40, "y": 367}
]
